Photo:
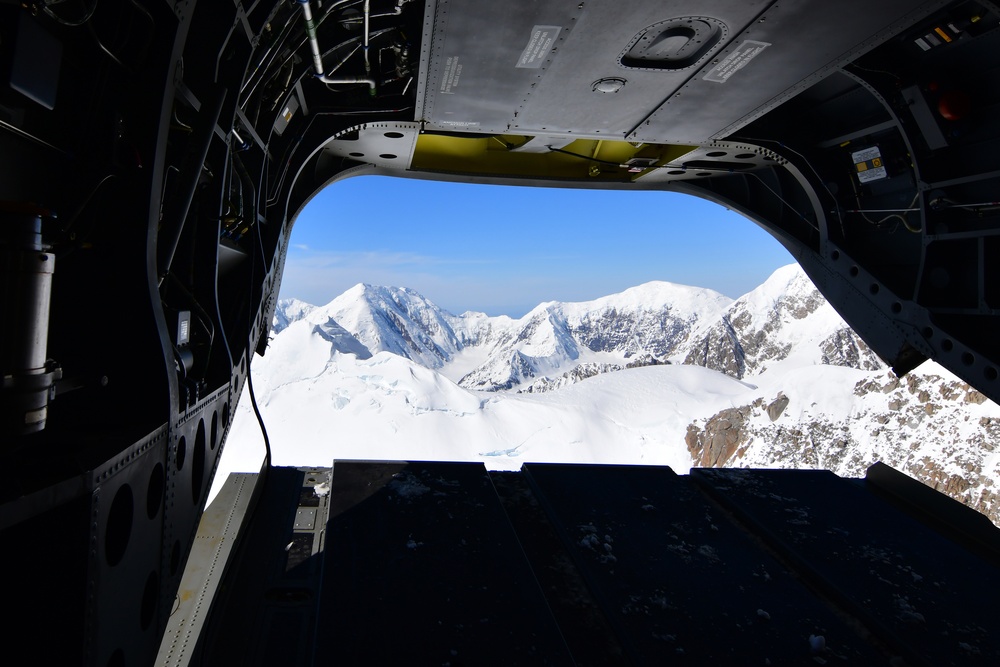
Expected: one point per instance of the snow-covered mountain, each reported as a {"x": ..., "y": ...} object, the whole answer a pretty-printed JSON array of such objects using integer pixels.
[
  {"x": 651, "y": 321},
  {"x": 392, "y": 319},
  {"x": 654, "y": 319},
  {"x": 288, "y": 311},
  {"x": 661, "y": 374},
  {"x": 786, "y": 319}
]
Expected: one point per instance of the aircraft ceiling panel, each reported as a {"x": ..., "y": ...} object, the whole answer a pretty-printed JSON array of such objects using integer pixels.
[
  {"x": 484, "y": 59},
  {"x": 387, "y": 145},
  {"x": 787, "y": 49},
  {"x": 586, "y": 69},
  {"x": 622, "y": 59}
]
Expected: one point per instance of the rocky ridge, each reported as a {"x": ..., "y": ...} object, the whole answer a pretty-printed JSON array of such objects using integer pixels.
[
  {"x": 930, "y": 425},
  {"x": 584, "y": 371},
  {"x": 655, "y": 320},
  {"x": 817, "y": 397},
  {"x": 785, "y": 316}
]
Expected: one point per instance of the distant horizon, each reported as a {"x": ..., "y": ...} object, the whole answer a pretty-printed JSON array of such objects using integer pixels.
[
  {"x": 434, "y": 301},
  {"x": 502, "y": 250}
]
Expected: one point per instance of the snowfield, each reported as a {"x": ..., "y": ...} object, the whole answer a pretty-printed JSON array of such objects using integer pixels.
[
  {"x": 773, "y": 379},
  {"x": 388, "y": 407}
]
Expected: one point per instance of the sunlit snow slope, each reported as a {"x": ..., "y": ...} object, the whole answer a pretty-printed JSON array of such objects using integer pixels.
[{"x": 773, "y": 379}]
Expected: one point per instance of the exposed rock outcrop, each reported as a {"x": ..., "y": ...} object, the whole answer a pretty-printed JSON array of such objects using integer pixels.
[
  {"x": 922, "y": 425},
  {"x": 719, "y": 440},
  {"x": 584, "y": 371},
  {"x": 785, "y": 315}
]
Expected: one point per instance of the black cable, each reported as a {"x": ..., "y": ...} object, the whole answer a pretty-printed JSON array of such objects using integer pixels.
[
  {"x": 977, "y": 208},
  {"x": 260, "y": 419},
  {"x": 900, "y": 216},
  {"x": 30, "y": 137},
  {"x": 272, "y": 49},
  {"x": 80, "y": 209},
  {"x": 899, "y": 81},
  {"x": 145, "y": 46},
  {"x": 782, "y": 200},
  {"x": 779, "y": 197},
  {"x": 72, "y": 24},
  {"x": 657, "y": 166},
  {"x": 584, "y": 157},
  {"x": 245, "y": 178},
  {"x": 294, "y": 145},
  {"x": 819, "y": 178}
]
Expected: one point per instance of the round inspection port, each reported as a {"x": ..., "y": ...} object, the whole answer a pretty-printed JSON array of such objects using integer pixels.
[
  {"x": 150, "y": 597},
  {"x": 119, "y": 528},
  {"x": 181, "y": 453},
  {"x": 215, "y": 430},
  {"x": 198, "y": 463},
  {"x": 175, "y": 557},
  {"x": 154, "y": 491}
]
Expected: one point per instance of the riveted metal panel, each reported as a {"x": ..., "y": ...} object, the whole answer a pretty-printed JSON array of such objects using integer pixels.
[
  {"x": 389, "y": 145},
  {"x": 517, "y": 89},
  {"x": 781, "y": 53},
  {"x": 565, "y": 99}
]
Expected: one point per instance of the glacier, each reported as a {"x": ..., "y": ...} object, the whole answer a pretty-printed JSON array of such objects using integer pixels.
[{"x": 660, "y": 374}]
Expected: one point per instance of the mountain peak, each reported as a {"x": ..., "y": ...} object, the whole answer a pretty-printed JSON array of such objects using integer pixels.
[
  {"x": 785, "y": 316},
  {"x": 654, "y": 319},
  {"x": 657, "y": 319},
  {"x": 287, "y": 311},
  {"x": 393, "y": 319}
]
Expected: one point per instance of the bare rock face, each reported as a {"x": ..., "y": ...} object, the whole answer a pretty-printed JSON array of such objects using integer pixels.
[
  {"x": 549, "y": 342},
  {"x": 758, "y": 341},
  {"x": 922, "y": 425},
  {"x": 784, "y": 315},
  {"x": 719, "y": 440},
  {"x": 655, "y": 332},
  {"x": 584, "y": 371},
  {"x": 845, "y": 348},
  {"x": 720, "y": 350},
  {"x": 777, "y": 406}
]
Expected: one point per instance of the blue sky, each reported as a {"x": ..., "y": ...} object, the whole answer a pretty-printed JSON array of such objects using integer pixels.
[{"x": 503, "y": 250}]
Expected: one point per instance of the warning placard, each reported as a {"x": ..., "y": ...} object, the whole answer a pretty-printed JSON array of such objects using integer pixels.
[
  {"x": 736, "y": 61},
  {"x": 451, "y": 75},
  {"x": 868, "y": 164},
  {"x": 543, "y": 38}
]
